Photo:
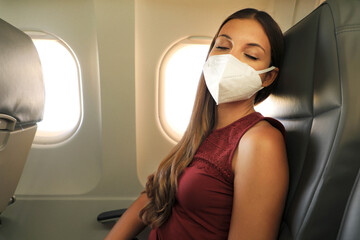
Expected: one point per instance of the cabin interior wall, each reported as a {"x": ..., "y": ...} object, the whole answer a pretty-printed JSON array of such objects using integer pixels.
[
  {"x": 59, "y": 169},
  {"x": 65, "y": 186},
  {"x": 158, "y": 25},
  {"x": 176, "y": 20}
]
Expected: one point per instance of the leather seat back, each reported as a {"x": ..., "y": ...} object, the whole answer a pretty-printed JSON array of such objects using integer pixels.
[
  {"x": 318, "y": 101},
  {"x": 350, "y": 227}
]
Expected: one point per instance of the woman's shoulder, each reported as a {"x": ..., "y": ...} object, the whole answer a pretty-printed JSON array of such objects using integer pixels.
[
  {"x": 262, "y": 132},
  {"x": 262, "y": 141},
  {"x": 262, "y": 151}
]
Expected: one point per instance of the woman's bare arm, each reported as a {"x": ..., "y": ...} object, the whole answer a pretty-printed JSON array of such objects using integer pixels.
[
  {"x": 129, "y": 225},
  {"x": 260, "y": 184}
]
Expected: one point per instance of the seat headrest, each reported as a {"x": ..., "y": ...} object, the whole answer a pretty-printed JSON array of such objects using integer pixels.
[{"x": 22, "y": 88}]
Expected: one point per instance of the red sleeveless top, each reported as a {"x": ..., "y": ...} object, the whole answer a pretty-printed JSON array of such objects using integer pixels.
[{"x": 205, "y": 192}]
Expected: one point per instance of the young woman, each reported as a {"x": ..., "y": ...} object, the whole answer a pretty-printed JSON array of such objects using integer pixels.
[{"x": 227, "y": 178}]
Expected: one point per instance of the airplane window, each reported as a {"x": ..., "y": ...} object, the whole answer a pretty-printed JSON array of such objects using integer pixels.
[
  {"x": 62, "y": 113},
  {"x": 180, "y": 72}
]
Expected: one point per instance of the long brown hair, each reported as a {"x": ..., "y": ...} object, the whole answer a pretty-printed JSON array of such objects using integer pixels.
[{"x": 162, "y": 186}]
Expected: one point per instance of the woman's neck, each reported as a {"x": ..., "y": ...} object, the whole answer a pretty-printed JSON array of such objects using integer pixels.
[{"x": 228, "y": 113}]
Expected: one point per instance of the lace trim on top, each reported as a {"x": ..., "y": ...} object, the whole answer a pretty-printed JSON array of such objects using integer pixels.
[{"x": 216, "y": 152}]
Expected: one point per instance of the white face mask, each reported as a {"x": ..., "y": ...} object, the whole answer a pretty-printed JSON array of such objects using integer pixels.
[{"x": 229, "y": 80}]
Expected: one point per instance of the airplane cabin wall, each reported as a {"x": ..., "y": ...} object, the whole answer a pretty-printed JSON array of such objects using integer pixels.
[
  {"x": 68, "y": 158},
  {"x": 158, "y": 26},
  {"x": 65, "y": 186}
]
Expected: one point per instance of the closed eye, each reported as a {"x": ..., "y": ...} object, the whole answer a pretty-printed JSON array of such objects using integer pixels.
[
  {"x": 251, "y": 57},
  {"x": 222, "y": 48}
]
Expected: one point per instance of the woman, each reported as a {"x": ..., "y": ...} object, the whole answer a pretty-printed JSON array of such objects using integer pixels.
[{"x": 227, "y": 178}]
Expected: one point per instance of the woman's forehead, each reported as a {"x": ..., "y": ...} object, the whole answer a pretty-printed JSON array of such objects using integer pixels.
[{"x": 245, "y": 31}]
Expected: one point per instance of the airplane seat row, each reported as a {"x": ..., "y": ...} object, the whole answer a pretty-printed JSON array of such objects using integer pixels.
[
  {"x": 318, "y": 101},
  {"x": 21, "y": 105}
]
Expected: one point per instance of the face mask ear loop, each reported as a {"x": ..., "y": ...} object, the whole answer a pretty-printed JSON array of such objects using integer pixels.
[{"x": 266, "y": 70}]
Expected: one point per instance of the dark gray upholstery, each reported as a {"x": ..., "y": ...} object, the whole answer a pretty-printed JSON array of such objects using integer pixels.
[
  {"x": 21, "y": 105},
  {"x": 318, "y": 101},
  {"x": 350, "y": 228}
]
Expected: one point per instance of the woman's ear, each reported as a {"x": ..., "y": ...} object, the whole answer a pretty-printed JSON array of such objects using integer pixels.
[{"x": 270, "y": 77}]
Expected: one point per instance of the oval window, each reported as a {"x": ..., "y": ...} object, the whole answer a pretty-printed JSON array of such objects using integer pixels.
[{"x": 179, "y": 75}]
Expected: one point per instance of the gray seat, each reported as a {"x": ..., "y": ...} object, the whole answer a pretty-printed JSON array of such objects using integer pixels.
[
  {"x": 318, "y": 101},
  {"x": 21, "y": 105},
  {"x": 350, "y": 227}
]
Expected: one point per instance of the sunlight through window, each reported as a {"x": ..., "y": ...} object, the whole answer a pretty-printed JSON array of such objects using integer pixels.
[
  {"x": 62, "y": 113},
  {"x": 179, "y": 77}
]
